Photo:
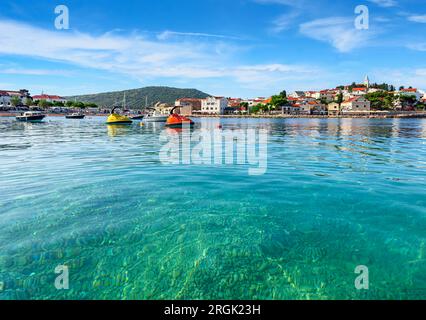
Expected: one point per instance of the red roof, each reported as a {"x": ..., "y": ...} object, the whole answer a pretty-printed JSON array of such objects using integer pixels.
[
  {"x": 352, "y": 99},
  {"x": 47, "y": 97},
  {"x": 359, "y": 89},
  {"x": 10, "y": 93},
  {"x": 409, "y": 90}
]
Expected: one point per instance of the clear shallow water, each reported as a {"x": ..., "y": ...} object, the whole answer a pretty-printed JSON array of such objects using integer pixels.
[{"x": 336, "y": 194}]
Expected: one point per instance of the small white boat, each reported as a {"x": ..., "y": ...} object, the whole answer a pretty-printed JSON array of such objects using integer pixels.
[
  {"x": 155, "y": 117},
  {"x": 31, "y": 116},
  {"x": 75, "y": 116}
]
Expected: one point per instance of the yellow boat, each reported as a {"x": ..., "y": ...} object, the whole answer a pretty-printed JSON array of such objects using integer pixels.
[{"x": 115, "y": 118}]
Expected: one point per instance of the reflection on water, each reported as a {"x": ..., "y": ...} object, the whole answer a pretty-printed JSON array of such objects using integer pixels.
[
  {"x": 118, "y": 130},
  {"x": 338, "y": 193}
]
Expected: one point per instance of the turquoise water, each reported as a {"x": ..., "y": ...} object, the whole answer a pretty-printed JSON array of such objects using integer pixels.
[{"x": 337, "y": 193}]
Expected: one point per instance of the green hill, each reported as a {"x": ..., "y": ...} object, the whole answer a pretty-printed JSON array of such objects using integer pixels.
[{"x": 135, "y": 98}]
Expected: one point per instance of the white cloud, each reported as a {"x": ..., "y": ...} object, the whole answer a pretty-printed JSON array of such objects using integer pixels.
[
  {"x": 285, "y": 21},
  {"x": 181, "y": 59},
  {"x": 385, "y": 3},
  {"x": 419, "y": 46},
  {"x": 418, "y": 18},
  {"x": 36, "y": 72},
  {"x": 340, "y": 32},
  {"x": 166, "y": 35}
]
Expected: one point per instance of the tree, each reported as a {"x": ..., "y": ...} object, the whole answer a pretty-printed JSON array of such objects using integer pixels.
[
  {"x": 283, "y": 94},
  {"x": 324, "y": 101},
  {"x": 255, "y": 109},
  {"x": 91, "y": 105},
  {"x": 58, "y": 104},
  {"x": 278, "y": 101},
  {"x": 28, "y": 102},
  {"x": 69, "y": 104},
  {"x": 339, "y": 98},
  {"x": 15, "y": 101},
  {"x": 401, "y": 88},
  {"x": 381, "y": 100},
  {"x": 79, "y": 105},
  {"x": 43, "y": 104}
]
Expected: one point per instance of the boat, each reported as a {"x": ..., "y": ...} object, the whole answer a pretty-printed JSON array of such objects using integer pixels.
[
  {"x": 75, "y": 116},
  {"x": 177, "y": 121},
  {"x": 31, "y": 116},
  {"x": 155, "y": 116},
  {"x": 137, "y": 117},
  {"x": 115, "y": 118}
]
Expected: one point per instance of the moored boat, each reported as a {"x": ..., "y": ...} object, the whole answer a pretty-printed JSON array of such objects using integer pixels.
[
  {"x": 115, "y": 118},
  {"x": 31, "y": 116},
  {"x": 178, "y": 121},
  {"x": 155, "y": 118},
  {"x": 75, "y": 116},
  {"x": 137, "y": 117}
]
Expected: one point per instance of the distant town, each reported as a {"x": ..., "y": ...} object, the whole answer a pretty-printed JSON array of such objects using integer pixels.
[{"x": 355, "y": 99}]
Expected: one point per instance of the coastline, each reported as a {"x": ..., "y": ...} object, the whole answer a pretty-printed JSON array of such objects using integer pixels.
[
  {"x": 372, "y": 115},
  {"x": 301, "y": 116}
]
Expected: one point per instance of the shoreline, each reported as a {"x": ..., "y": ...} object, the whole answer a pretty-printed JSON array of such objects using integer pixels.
[
  {"x": 395, "y": 115},
  {"x": 346, "y": 116}
]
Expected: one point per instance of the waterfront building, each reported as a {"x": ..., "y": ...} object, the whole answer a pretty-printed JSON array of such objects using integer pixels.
[
  {"x": 214, "y": 105},
  {"x": 410, "y": 92},
  {"x": 356, "y": 104},
  {"x": 333, "y": 109},
  {"x": 317, "y": 108},
  {"x": 49, "y": 98},
  {"x": 188, "y": 106},
  {"x": 6, "y": 97}
]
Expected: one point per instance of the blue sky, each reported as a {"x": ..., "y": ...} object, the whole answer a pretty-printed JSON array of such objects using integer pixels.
[{"x": 243, "y": 48}]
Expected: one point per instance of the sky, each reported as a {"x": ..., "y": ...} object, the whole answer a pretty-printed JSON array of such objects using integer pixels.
[{"x": 233, "y": 48}]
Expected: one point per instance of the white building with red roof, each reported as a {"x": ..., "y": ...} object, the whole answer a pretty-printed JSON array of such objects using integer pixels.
[
  {"x": 359, "y": 91},
  {"x": 49, "y": 98},
  {"x": 410, "y": 92},
  {"x": 6, "y": 97}
]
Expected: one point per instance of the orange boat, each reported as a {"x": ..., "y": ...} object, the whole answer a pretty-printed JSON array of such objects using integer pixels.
[{"x": 178, "y": 121}]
